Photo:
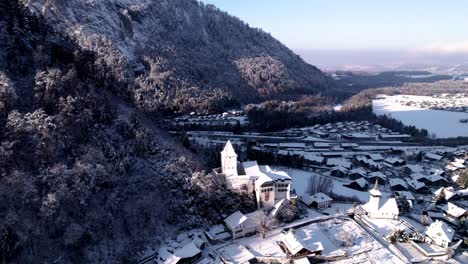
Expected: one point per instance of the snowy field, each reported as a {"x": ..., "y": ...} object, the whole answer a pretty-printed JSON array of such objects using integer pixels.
[
  {"x": 301, "y": 179},
  {"x": 443, "y": 124}
]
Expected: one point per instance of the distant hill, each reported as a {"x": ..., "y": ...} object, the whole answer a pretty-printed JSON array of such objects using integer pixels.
[{"x": 183, "y": 55}]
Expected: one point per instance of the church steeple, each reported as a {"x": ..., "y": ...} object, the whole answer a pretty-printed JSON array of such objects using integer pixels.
[
  {"x": 375, "y": 191},
  {"x": 229, "y": 160}
]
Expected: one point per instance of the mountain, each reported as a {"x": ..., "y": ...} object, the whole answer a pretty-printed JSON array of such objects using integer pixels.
[
  {"x": 182, "y": 55},
  {"x": 85, "y": 177}
]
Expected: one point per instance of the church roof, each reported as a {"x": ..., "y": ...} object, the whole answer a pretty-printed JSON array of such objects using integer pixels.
[{"x": 228, "y": 149}]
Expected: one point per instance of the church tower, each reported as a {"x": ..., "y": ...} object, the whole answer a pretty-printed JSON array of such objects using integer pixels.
[
  {"x": 229, "y": 160},
  {"x": 375, "y": 194}
]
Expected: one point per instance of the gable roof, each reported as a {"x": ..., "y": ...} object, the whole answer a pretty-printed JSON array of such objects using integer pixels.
[
  {"x": 453, "y": 210},
  {"x": 187, "y": 251},
  {"x": 360, "y": 171},
  {"x": 440, "y": 229},
  {"x": 415, "y": 184},
  {"x": 414, "y": 168},
  {"x": 396, "y": 181},
  {"x": 228, "y": 150},
  {"x": 408, "y": 195},
  {"x": 377, "y": 174},
  {"x": 234, "y": 253},
  {"x": 295, "y": 241},
  {"x": 318, "y": 198},
  {"x": 449, "y": 192},
  {"x": 235, "y": 219}
]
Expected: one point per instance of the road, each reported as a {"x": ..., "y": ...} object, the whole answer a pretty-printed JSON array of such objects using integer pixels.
[{"x": 382, "y": 241}]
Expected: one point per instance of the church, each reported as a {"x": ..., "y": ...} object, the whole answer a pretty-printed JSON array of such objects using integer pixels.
[
  {"x": 269, "y": 186},
  {"x": 379, "y": 207}
]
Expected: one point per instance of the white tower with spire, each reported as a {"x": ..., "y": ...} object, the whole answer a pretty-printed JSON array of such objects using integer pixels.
[
  {"x": 229, "y": 160},
  {"x": 375, "y": 194}
]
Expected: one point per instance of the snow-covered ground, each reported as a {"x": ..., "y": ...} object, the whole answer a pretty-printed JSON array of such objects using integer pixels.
[
  {"x": 444, "y": 124},
  {"x": 300, "y": 181}
]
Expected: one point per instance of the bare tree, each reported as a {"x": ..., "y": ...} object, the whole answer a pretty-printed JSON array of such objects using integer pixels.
[
  {"x": 319, "y": 185},
  {"x": 345, "y": 238},
  {"x": 264, "y": 223}
]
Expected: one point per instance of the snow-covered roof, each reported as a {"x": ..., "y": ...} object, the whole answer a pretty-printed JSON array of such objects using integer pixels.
[
  {"x": 234, "y": 253},
  {"x": 304, "y": 260},
  {"x": 318, "y": 198},
  {"x": 228, "y": 150},
  {"x": 321, "y": 145},
  {"x": 433, "y": 156},
  {"x": 377, "y": 174},
  {"x": 349, "y": 145},
  {"x": 295, "y": 241},
  {"x": 453, "y": 210},
  {"x": 264, "y": 173},
  {"x": 394, "y": 160},
  {"x": 414, "y": 168},
  {"x": 376, "y": 157},
  {"x": 292, "y": 145},
  {"x": 397, "y": 181},
  {"x": 361, "y": 182},
  {"x": 440, "y": 230},
  {"x": 187, "y": 251},
  {"x": 435, "y": 178},
  {"x": 415, "y": 184},
  {"x": 360, "y": 171},
  {"x": 385, "y": 136},
  {"x": 339, "y": 162},
  {"x": 340, "y": 168},
  {"x": 449, "y": 192},
  {"x": 235, "y": 219},
  {"x": 313, "y": 157},
  {"x": 408, "y": 195}
]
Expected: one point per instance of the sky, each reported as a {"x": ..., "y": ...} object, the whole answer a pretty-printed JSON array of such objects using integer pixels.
[{"x": 434, "y": 26}]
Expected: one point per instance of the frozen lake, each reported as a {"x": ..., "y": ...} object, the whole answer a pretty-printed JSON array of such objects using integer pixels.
[{"x": 443, "y": 124}]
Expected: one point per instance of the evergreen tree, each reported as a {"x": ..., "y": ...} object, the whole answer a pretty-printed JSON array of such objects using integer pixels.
[{"x": 403, "y": 204}]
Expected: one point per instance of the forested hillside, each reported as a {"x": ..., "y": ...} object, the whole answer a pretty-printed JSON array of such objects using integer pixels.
[
  {"x": 182, "y": 55},
  {"x": 84, "y": 178}
]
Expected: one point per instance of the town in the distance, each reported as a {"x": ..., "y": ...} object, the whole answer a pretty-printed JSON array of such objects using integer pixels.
[{"x": 341, "y": 192}]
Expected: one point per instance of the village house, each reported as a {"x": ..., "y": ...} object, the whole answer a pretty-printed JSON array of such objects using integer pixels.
[
  {"x": 357, "y": 173},
  {"x": 318, "y": 200},
  {"x": 454, "y": 212},
  {"x": 235, "y": 253},
  {"x": 377, "y": 175},
  {"x": 269, "y": 186},
  {"x": 439, "y": 233},
  {"x": 412, "y": 168},
  {"x": 433, "y": 157},
  {"x": 394, "y": 137},
  {"x": 379, "y": 207},
  {"x": 394, "y": 161},
  {"x": 368, "y": 163},
  {"x": 240, "y": 225},
  {"x": 446, "y": 192},
  {"x": 418, "y": 186},
  {"x": 358, "y": 184},
  {"x": 296, "y": 245},
  {"x": 339, "y": 171},
  {"x": 398, "y": 184},
  {"x": 375, "y": 157}
]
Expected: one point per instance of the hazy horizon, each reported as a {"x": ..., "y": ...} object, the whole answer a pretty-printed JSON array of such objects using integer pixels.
[{"x": 362, "y": 32}]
